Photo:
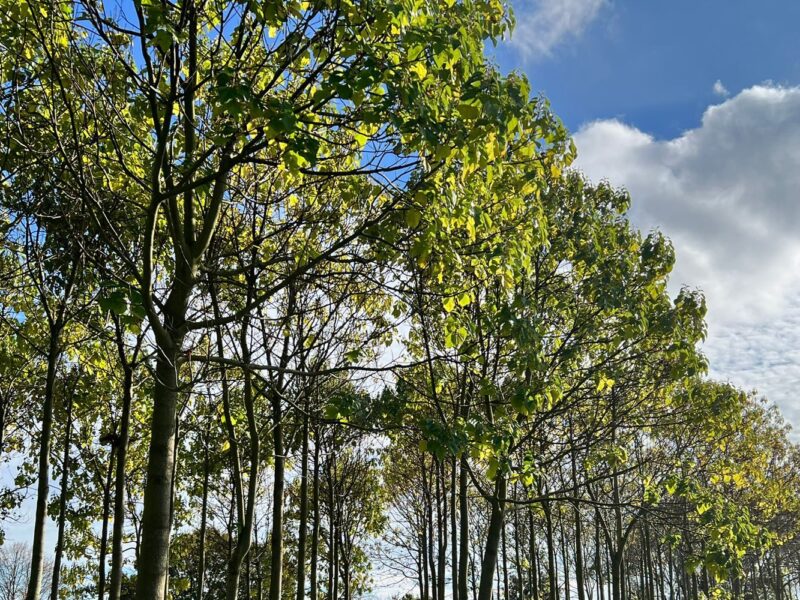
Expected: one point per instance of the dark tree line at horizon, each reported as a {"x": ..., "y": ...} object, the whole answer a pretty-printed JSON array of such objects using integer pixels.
[{"x": 300, "y": 298}]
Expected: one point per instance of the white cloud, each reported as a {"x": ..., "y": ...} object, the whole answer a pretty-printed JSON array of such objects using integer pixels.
[
  {"x": 720, "y": 90},
  {"x": 728, "y": 194},
  {"x": 543, "y": 24}
]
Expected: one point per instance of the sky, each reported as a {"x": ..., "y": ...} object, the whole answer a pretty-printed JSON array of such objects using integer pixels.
[{"x": 694, "y": 108}]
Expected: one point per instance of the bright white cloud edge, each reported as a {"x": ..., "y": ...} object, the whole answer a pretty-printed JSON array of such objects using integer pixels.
[
  {"x": 544, "y": 24},
  {"x": 728, "y": 194}
]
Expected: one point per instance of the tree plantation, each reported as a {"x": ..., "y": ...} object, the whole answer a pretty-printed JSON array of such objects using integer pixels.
[{"x": 301, "y": 299}]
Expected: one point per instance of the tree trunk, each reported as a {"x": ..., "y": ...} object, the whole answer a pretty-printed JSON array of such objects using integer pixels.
[
  {"x": 617, "y": 579},
  {"x": 517, "y": 556},
  {"x": 201, "y": 559},
  {"x": 316, "y": 524},
  {"x": 276, "y": 542},
  {"x": 62, "y": 505},
  {"x": 551, "y": 552},
  {"x": 579, "y": 577},
  {"x": 101, "y": 579},
  {"x": 246, "y": 520},
  {"x": 119, "y": 486},
  {"x": 301, "y": 538},
  {"x": 505, "y": 562},
  {"x": 496, "y": 524},
  {"x": 43, "y": 489},
  {"x": 441, "y": 525},
  {"x": 463, "y": 555},
  {"x": 534, "y": 562},
  {"x": 565, "y": 560},
  {"x": 153, "y": 567},
  {"x": 598, "y": 558},
  {"x": 428, "y": 501},
  {"x": 333, "y": 547},
  {"x": 453, "y": 530}
]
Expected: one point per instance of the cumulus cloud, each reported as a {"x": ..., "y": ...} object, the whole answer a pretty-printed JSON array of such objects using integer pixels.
[
  {"x": 719, "y": 89},
  {"x": 728, "y": 194},
  {"x": 543, "y": 24}
]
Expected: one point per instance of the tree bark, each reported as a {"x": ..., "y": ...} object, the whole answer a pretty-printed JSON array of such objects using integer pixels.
[
  {"x": 122, "y": 442},
  {"x": 301, "y": 538},
  {"x": 496, "y": 523},
  {"x": 43, "y": 489},
  {"x": 551, "y": 556},
  {"x": 316, "y": 524},
  {"x": 153, "y": 567},
  {"x": 463, "y": 514},
  {"x": 101, "y": 579},
  {"x": 453, "y": 530},
  {"x": 276, "y": 542},
  {"x": 201, "y": 559},
  {"x": 534, "y": 559},
  {"x": 62, "y": 505}
]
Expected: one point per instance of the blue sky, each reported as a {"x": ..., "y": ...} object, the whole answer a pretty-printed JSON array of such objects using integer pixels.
[
  {"x": 650, "y": 63},
  {"x": 694, "y": 107}
]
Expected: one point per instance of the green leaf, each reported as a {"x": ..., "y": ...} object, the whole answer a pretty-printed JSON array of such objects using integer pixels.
[
  {"x": 413, "y": 217},
  {"x": 468, "y": 111}
]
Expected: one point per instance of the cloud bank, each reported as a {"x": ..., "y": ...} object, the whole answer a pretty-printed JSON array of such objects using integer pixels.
[
  {"x": 728, "y": 194},
  {"x": 544, "y": 24}
]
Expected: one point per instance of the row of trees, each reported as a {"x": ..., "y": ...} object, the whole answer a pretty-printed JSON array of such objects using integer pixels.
[{"x": 294, "y": 291}]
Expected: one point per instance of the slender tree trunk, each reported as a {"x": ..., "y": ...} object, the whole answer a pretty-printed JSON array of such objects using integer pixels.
[
  {"x": 245, "y": 524},
  {"x": 119, "y": 485},
  {"x": 276, "y": 542},
  {"x": 496, "y": 523},
  {"x": 669, "y": 583},
  {"x": 316, "y": 524},
  {"x": 441, "y": 522},
  {"x": 551, "y": 552},
  {"x": 423, "y": 517},
  {"x": 648, "y": 557},
  {"x": 453, "y": 531},
  {"x": 565, "y": 560},
  {"x": 335, "y": 565},
  {"x": 201, "y": 559},
  {"x": 43, "y": 489},
  {"x": 533, "y": 558},
  {"x": 101, "y": 579},
  {"x": 62, "y": 505},
  {"x": 579, "y": 575},
  {"x": 463, "y": 514},
  {"x": 517, "y": 556},
  {"x": 598, "y": 559},
  {"x": 420, "y": 581},
  {"x": 301, "y": 538},
  {"x": 346, "y": 580},
  {"x": 472, "y": 577},
  {"x": 331, "y": 531},
  {"x": 427, "y": 487},
  {"x": 505, "y": 562}
]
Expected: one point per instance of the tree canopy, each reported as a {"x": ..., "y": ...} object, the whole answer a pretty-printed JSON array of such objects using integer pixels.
[{"x": 303, "y": 299}]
